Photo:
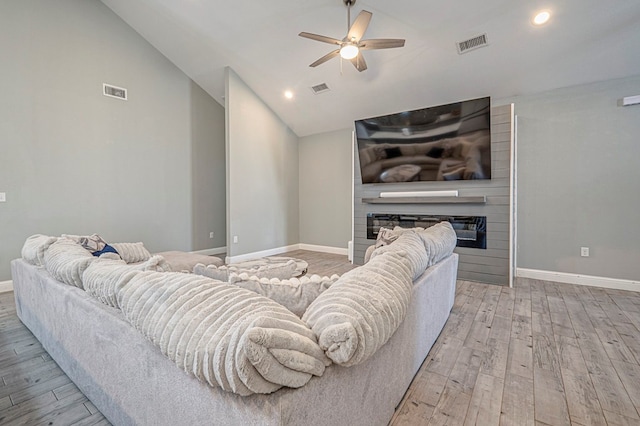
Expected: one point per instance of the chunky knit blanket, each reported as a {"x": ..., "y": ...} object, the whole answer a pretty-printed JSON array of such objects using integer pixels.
[{"x": 227, "y": 336}]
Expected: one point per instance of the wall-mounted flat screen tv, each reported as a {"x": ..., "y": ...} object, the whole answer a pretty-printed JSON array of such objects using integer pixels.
[{"x": 441, "y": 143}]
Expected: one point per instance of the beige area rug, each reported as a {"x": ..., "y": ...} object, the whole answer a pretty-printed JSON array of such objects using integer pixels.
[{"x": 301, "y": 265}]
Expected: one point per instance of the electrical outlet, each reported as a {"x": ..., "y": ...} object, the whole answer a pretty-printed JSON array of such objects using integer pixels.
[
  {"x": 235, "y": 239},
  {"x": 584, "y": 251},
  {"x": 3, "y": 197},
  {"x": 211, "y": 234}
]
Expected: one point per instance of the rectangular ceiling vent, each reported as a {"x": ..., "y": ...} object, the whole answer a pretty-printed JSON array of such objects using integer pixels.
[
  {"x": 320, "y": 88},
  {"x": 114, "y": 92},
  {"x": 472, "y": 44}
]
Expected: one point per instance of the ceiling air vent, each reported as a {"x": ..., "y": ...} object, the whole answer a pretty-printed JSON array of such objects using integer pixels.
[
  {"x": 472, "y": 44},
  {"x": 320, "y": 88},
  {"x": 114, "y": 92}
]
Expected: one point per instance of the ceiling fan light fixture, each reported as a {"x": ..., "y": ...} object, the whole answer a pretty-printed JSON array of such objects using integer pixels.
[{"x": 349, "y": 51}]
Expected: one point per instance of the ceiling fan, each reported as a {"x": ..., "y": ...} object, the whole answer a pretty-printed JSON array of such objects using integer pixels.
[{"x": 352, "y": 45}]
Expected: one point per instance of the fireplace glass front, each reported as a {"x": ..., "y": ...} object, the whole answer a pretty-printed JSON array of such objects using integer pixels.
[{"x": 470, "y": 230}]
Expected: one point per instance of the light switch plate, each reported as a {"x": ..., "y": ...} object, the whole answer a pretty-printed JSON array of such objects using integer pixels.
[{"x": 3, "y": 197}]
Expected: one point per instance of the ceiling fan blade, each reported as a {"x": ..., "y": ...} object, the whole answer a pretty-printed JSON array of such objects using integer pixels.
[
  {"x": 359, "y": 62},
  {"x": 381, "y": 43},
  {"x": 359, "y": 26},
  {"x": 325, "y": 58},
  {"x": 321, "y": 38}
]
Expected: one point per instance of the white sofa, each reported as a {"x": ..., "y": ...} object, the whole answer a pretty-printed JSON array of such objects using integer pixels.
[{"x": 132, "y": 383}]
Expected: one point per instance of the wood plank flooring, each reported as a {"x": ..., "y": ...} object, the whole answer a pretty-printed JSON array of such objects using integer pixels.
[{"x": 539, "y": 354}]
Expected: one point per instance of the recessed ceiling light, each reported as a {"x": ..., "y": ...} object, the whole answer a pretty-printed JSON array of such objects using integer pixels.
[
  {"x": 541, "y": 17},
  {"x": 288, "y": 94}
]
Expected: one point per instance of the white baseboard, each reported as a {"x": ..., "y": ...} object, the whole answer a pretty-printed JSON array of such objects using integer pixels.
[
  {"x": 6, "y": 286},
  {"x": 263, "y": 253},
  {"x": 590, "y": 280},
  {"x": 325, "y": 249},
  {"x": 208, "y": 252}
]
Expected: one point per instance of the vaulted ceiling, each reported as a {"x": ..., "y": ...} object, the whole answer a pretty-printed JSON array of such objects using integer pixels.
[{"x": 584, "y": 41}]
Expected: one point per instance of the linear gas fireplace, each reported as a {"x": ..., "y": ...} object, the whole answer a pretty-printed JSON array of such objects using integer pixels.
[{"x": 471, "y": 230}]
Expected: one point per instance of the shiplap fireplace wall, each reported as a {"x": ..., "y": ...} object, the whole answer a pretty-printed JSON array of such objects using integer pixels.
[{"x": 490, "y": 198}]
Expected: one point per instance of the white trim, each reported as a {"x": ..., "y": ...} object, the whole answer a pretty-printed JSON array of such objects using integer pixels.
[
  {"x": 325, "y": 249},
  {"x": 259, "y": 254},
  {"x": 353, "y": 195},
  {"x": 6, "y": 286},
  {"x": 513, "y": 196},
  {"x": 590, "y": 280},
  {"x": 208, "y": 252}
]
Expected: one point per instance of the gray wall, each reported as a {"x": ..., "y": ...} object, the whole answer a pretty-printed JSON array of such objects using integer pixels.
[
  {"x": 262, "y": 173},
  {"x": 74, "y": 161},
  {"x": 208, "y": 174},
  {"x": 579, "y": 180},
  {"x": 325, "y": 189},
  {"x": 490, "y": 265}
]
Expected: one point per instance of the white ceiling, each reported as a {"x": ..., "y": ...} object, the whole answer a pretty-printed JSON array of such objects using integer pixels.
[{"x": 585, "y": 41}]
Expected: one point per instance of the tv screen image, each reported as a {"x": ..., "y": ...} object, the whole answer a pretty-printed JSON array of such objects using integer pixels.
[{"x": 441, "y": 143}]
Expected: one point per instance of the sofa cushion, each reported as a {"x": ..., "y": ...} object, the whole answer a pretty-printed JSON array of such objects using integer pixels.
[
  {"x": 34, "y": 248},
  {"x": 225, "y": 335},
  {"x": 66, "y": 261},
  {"x": 439, "y": 241},
  {"x": 132, "y": 252},
  {"x": 410, "y": 246},
  {"x": 294, "y": 294},
  {"x": 105, "y": 277},
  {"x": 223, "y": 272},
  {"x": 182, "y": 261},
  {"x": 358, "y": 314}
]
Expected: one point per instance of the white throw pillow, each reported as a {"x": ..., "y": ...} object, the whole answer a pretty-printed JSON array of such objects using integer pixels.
[{"x": 295, "y": 294}]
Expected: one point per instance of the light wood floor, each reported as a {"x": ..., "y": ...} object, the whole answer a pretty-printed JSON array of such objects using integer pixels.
[{"x": 538, "y": 354}]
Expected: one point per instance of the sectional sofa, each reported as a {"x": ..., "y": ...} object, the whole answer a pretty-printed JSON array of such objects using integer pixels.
[{"x": 348, "y": 360}]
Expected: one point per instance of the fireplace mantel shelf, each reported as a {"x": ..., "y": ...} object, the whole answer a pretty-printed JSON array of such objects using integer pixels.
[{"x": 482, "y": 199}]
